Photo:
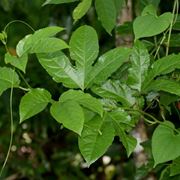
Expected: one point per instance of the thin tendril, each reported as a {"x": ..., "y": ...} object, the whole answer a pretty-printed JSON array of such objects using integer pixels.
[
  {"x": 15, "y": 21},
  {"x": 12, "y": 125}
]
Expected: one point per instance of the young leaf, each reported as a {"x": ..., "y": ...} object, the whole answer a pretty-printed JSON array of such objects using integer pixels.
[
  {"x": 175, "y": 167},
  {"x": 165, "y": 143},
  {"x": 33, "y": 102},
  {"x": 106, "y": 11},
  {"x": 59, "y": 67},
  {"x": 140, "y": 62},
  {"x": 151, "y": 25},
  {"x": 70, "y": 114},
  {"x": 81, "y": 9},
  {"x": 83, "y": 99},
  {"x": 18, "y": 62},
  {"x": 162, "y": 66},
  {"x": 115, "y": 90},
  {"x": 166, "y": 85},
  {"x": 84, "y": 49},
  {"x": 58, "y": 1},
  {"x": 8, "y": 78},
  {"x": 96, "y": 137},
  {"x": 107, "y": 64}
]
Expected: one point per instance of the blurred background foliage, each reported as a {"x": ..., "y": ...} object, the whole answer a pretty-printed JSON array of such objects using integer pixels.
[{"x": 41, "y": 149}]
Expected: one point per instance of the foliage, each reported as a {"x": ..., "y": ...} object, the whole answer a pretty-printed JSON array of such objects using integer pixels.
[{"x": 95, "y": 98}]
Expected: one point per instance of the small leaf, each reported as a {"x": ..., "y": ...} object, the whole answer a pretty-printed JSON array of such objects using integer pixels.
[
  {"x": 122, "y": 121},
  {"x": 96, "y": 137},
  {"x": 140, "y": 62},
  {"x": 8, "y": 78},
  {"x": 70, "y": 114},
  {"x": 106, "y": 11},
  {"x": 162, "y": 66},
  {"x": 18, "y": 62},
  {"x": 166, "y": 85},
  {"x": 84, "y": 50},
  {"x": 107, "y": 64},
  {"x": 175, "y": 167},
  {"x": 115, "y": 90},
  {"x": 41, "y": 42},
  {"x": 45, "y": 45},
  {"x": 81, "y": 9},
  {"x": 33, "y": 102},
  {"x": 83, "y": 99},
  {"x": 165, "y": 143},
  {"x": 151, "y": 25},
  {"x": 58, "y": 1}
]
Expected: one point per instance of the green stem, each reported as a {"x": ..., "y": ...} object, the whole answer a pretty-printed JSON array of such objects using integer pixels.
[
  {"x": 156, "y": 121},
  {"x": 27, "y": 84},
  {"x": 176, "y": 6},
  {"x": 12, "y": 126},
  {"x": 24, "y": 89}
]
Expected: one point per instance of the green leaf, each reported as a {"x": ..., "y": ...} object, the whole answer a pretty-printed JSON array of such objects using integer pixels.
[
  {"x": 106, "y": 12},
  {"x": 58, "y": 1},
  {"x": 83, "y": 99},
  {"x": 165, "y": 143},
  {"x": 175, "y": 167},
  {"x": 107, "y": 64},
  {"x": 140, "y": 62},
  {"x": 59, "y": 67},
  {"x": 115, "y": 90},
  {"x": 33, "y": 102},
  {"x": 8, "y": 78},
  {"x": 47, "y": 32},
  {"x": 41, "y": 42},
  {"x": 166, "y": 85},
  {"x": 81, "y": 9},
  {"x": 122, "y": 121},
  {"x": 84, "y": 50},
  {"x": 96, "y": 137},
  {"x": 162, "y": 66},
  {"x": 151, "y": 25},
  {"x": 18, "y": 62},
  {"x": 70, "y": 114}
]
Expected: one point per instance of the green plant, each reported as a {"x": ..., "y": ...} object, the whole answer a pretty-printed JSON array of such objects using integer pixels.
[{"x": 97, "y": 105}]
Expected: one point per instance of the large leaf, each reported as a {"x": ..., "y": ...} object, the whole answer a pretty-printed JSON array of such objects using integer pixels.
[
  {"x": 70, "y": 114},
  {"x": 81, "y": 9},
  {"x": 8, "y": 78},
  {"x": 58, "y": 1},
  {"x": 18, "y": 62},
  {"x": 107, "y": 64},
  {"x": 106, "y": 11},
  {"x": 151, "y": 25},
  {"x": 165, "y": 143},
  {"x": 59, "y": 67},
  {"x": 41, "y": 42},
  {"x": 83, "y": 99},
  {"x": 115, "y": 90},
  {"x": 96, "y": 137},
  {"x": 166, "y": 85},
  {"x": 162, "y": 66},
  {"x": 33, "y": 102},
  {"x": 84, "y": 49},
  {"x": 140, "y": 61}
]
